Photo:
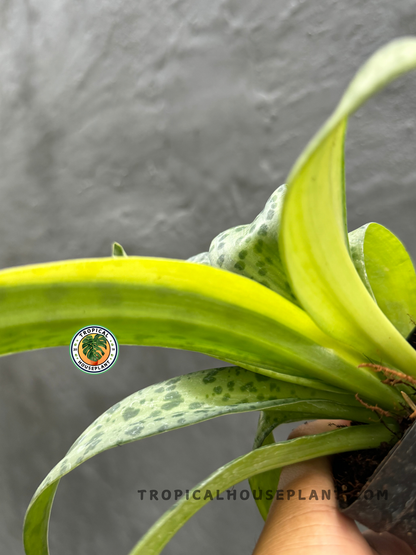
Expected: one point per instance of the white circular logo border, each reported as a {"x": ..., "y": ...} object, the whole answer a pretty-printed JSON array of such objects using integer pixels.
[{"x": 87, "y": 368}]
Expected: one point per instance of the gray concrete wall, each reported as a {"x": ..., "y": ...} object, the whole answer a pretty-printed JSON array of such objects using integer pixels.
[{"x": 159, "y": 124}]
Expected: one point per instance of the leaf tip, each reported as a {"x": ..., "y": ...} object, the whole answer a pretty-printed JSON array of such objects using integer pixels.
[{"x": 118, "y": 251}]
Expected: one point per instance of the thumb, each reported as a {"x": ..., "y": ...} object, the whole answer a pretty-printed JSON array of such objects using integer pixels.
[
  {"x": 302, "y": 519},
  {"x": 315, "y": 474}
]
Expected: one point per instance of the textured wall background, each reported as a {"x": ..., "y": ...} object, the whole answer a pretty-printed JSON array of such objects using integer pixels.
[{"x": 159, "y": 124}]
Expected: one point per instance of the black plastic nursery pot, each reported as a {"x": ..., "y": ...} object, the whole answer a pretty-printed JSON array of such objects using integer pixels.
[{"x": 387, "y": 503}]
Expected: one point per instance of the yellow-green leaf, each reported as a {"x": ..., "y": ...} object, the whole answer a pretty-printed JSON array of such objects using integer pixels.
[
  {"x": 171, "y": 303},
  {"x": 386, "y": 269},
  {"x": 313, "y": 233}
]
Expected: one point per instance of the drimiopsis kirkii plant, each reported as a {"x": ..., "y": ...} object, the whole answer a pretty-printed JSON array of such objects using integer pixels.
[{"x": 293, "y": 301}]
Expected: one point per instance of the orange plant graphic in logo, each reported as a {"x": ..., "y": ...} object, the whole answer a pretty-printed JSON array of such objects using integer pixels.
[{"x": 94, "y": 349}]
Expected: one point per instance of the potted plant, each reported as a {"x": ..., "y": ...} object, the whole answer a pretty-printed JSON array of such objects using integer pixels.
[{"x": 314, "y": 321}]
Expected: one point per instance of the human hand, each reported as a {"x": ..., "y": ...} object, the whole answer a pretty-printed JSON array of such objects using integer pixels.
[{"x": 316, "y": 526}]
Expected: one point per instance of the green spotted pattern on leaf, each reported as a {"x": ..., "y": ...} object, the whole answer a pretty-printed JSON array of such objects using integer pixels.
[
  {"x": 252, "y": 250},
  {"x": 183, "y": 401},
  {"x": 202, "y": 258},
  {"x": 166, "y": 303}
]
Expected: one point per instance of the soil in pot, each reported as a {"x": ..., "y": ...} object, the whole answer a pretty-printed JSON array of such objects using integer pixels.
[
  {"x": 376, "y": 487},
  {"x": 352, "y": 471}
]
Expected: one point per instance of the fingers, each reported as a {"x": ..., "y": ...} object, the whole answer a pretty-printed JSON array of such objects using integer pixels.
[
  {"x": 309, "y": 522},
  {"x": 316, "y": 473},
  {"x": 387, "y": 544}
]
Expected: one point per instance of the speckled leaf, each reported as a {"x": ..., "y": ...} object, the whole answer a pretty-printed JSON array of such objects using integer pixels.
[
  {"x": 313, "y": 232},
  {"x": 201, "y": 258},
  {"x": 387, "y": 271},
  {"x": 118, "y": 250},
  {"x": 172, "y": 303},
  {"x": 252, "y": 250},
  {"x": 260, "y": 460},
  {"x": 176, "y": 403}
]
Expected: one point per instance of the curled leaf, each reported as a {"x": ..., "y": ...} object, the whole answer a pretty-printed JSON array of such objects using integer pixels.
[
  {"x": 313, "y": 232},
  {"x": 387, "y": 271}
]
